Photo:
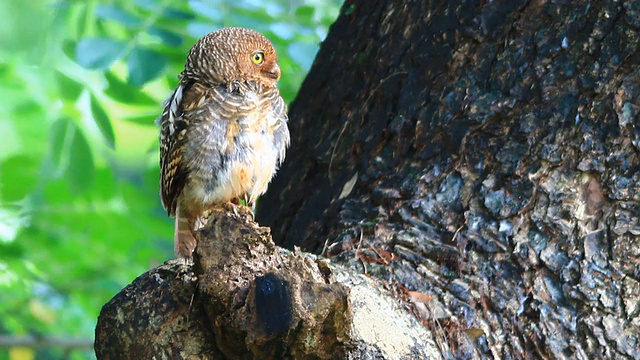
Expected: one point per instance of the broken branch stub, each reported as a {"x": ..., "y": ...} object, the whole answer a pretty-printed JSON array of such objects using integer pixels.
[{"x": 255, "y": 300}]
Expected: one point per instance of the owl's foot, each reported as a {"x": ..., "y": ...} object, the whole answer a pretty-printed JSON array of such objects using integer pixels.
[
  {"x": 184, "y": 243},
  {"x": 201, "y": 221},
  {"x": 250, "y": 205},
  {"x": 249, "y": 210},
  {"x": 238, "y": 209}
]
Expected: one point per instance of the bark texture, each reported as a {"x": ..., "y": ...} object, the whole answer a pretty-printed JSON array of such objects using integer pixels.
[
  {"x": 245, "y": 298},
  {"x": 484, "y": 154}
]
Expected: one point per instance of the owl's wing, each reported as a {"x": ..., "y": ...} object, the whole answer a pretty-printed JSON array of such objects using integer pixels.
[
  {"x": 279, "y": 128},
  {"x": 173, "y": 128},
  {"x": 170, "y": 155},
  {"x": 193, "y": 123}
]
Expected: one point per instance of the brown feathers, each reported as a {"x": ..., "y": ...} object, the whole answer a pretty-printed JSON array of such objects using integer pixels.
[
  {"x": 228, "y": 54},
  {"x": 223, "y": 130}
]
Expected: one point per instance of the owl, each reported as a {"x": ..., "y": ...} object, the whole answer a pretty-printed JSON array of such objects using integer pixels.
[{"x": 223, "y": 131}]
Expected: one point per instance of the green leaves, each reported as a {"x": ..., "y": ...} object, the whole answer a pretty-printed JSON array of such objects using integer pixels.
[
  {"x": 299, "y": 52},
  {"x": 81, "y": 169},
  {"x": 66, "y": 199},
  {"x": 305, "y": 13},
  {"x": 207, "y": 9},
  {"x": 59, "y": 142},
  {"x": 19, "y": 176},
  {"x": 126, "y": 93},
  {"x": 144, "y": 65},
  {"x": 167, "y": 37},
  {"x": 71, "y": 155},
  {"x": 102, "y": 120},
  {"x": 98, "y": 53},
  {"x": 113, "y": 13},
  {"x": 69, "y": 88}
]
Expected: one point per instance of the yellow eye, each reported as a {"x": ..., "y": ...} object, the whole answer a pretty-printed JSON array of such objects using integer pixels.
[{"x": 257, "y": 57}]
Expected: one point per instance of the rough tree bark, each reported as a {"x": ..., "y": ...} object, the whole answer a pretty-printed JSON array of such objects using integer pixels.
[
  {"x": 491, "y": 150},
  {"x": 245, "y": 298},
  {"x": 481, "y": 159}
]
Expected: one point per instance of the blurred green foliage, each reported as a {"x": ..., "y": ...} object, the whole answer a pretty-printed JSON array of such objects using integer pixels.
[{"x": 82, "y": 83}]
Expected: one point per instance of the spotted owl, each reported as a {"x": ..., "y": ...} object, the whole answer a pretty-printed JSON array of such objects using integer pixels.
[{"x": 223, "y": 131}]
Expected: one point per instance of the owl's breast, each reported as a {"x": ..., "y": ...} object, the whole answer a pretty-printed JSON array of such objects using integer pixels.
[
  {"x": 256, "y": 153},
  {"x": 234, "y": 154}
]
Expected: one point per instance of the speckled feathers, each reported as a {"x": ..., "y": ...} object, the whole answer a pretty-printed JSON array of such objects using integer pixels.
[
  {"x": 223, "y": 130},
  {"x": 209, "y": 61}
]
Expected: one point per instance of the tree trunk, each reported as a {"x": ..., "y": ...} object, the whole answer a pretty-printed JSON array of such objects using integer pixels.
[{"x": 485, "y": 154}]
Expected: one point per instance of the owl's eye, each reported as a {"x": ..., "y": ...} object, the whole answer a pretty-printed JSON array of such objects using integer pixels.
[{"x": 257, "y": 57}]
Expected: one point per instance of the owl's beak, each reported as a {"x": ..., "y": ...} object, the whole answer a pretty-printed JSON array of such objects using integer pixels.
[{"x": 274, "y": 72}]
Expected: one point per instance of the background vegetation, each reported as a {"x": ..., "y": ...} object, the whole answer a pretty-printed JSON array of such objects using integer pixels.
[{"x": 81, "y": 84}]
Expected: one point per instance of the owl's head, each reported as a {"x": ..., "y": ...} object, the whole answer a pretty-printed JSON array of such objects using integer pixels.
[{"x": 233, "y": 54}]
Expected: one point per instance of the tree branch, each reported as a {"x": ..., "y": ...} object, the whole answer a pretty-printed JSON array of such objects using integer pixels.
[{"x": 44, "y": 342}]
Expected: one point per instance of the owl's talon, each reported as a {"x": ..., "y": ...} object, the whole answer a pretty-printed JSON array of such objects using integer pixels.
[
  {"x": 186, "y": 261},
  {"x": 251, "y": 213},
  {"x": 239, "y": 210}
]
